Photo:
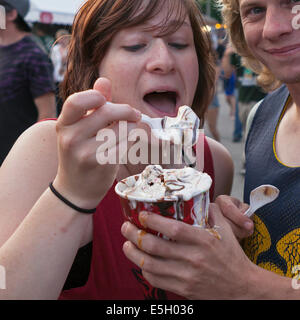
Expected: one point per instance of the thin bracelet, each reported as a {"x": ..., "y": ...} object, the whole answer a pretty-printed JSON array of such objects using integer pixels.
[{"x": 70, "y": 204}]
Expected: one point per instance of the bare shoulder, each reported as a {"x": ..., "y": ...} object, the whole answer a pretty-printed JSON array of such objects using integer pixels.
[
  {"x": 25, "y": 174},
  {"x": 223, "y": 167},
  {"x": 36, "y": 146}
]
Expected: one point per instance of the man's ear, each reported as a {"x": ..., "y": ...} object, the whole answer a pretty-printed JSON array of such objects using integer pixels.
[{"x": 12, "y": 15}]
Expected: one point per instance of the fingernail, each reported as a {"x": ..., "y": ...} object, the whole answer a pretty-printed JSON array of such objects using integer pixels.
[
  {"x": 138, "y": 113},
  {"x": 126, "y": 245},
  {"x": 124, "y": 227},
  {"x": 142, "y": 218},
  {"x": 248, "y": 225}
]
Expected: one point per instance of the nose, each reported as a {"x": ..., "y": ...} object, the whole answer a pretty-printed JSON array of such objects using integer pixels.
[
  {"x": 161, "y": 59},
  {"x": 278, "y": 22}
]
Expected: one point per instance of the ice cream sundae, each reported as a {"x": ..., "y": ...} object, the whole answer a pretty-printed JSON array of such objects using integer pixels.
[{"x": 182, "y": 194}]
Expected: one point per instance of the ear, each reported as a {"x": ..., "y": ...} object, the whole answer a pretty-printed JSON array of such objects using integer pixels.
[{"x": 12, "y": 15}]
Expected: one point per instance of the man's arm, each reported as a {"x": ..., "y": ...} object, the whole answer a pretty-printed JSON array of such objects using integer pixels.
[{"x": 46, "y": 106}]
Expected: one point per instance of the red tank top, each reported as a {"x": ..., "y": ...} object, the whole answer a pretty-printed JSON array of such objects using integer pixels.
[{"x": 112, "y": 276}]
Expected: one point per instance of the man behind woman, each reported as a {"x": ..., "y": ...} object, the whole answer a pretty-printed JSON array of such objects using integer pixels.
[{"x": 151, "y": 57}]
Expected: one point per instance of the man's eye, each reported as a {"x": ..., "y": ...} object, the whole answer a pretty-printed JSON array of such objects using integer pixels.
[
  {"x": 256, "y": 10},
  {"x": 134, "y": 48},
  {"x": 179, "y": 46}
]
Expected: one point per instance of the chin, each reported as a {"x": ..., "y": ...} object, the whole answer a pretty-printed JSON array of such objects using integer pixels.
[{"x": 289, "y": 78}]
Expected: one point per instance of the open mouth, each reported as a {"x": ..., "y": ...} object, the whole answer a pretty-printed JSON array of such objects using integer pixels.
[{"x": 162, "y": 101}]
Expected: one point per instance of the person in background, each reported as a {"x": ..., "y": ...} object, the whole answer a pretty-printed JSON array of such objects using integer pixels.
[
  {"x": 230, "y": 72},
  {"x": 26, "y": 78},
  {"x": 211, "y": 117},
  {"x": 59, "y": 55},
  {"x": 212, "y": 112},
  {"x": 42, "y": 38},
  {"x": 249, "y": 93}
]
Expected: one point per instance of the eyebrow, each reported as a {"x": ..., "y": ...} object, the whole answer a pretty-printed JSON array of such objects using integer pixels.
[
  {"x": 248, "y": 3},
  {"x": 164, "y": 28},
  {"x": 173, "y": 22}
]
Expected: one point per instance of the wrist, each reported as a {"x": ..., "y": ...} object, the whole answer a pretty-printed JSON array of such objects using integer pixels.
[
  {"x": 264, "y": 284},
  {"x": 69, "y": 203},
  {"x": 76, "y": 197}
]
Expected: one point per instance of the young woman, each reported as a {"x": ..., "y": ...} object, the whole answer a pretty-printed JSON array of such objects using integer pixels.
[{"x": 152, "y": 57}]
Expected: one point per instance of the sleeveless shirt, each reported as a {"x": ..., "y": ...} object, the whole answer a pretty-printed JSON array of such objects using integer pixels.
[
  {"x": 275, "y": 243},
  {"x": 111, "y": 276}
]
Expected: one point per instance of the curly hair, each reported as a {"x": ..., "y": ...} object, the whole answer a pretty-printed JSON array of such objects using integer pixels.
[
  {"x": 98, "y": 21},
  {"x": 232, "y": 19}
]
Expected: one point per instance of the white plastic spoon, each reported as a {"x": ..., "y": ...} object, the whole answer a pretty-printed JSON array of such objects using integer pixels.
[
  {"x": 171, "y": 128},
  {"x": 261, "y": 196}
]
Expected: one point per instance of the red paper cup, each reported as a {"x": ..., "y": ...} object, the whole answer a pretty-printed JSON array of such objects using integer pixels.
[{"x": 193, "y": 211}]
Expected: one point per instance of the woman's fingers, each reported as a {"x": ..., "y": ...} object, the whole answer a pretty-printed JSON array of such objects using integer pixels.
[
  {"x": 101, "y": 114},
  {"x": 103, "y": 85},
  {"x": 106, "y": 115},
  {"x": 77, "y": 105}
]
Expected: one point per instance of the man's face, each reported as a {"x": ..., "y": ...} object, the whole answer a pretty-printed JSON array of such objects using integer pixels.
[{"x": 271, "y": 34}]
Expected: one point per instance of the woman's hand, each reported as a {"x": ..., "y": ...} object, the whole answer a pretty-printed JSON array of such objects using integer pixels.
[
  {"x": 233, "y": 210},
  {"x": 197, "y": 264},
  {"x": 80, "y": 178}
]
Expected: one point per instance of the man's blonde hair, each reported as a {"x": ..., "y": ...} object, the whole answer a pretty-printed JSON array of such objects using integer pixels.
[{"x": 232, "y": 19}]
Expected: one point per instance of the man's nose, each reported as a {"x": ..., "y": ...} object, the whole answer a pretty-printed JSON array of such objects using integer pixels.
[
  {"x": 278, "y": 22},
  {"x": 161, "y": 59}
]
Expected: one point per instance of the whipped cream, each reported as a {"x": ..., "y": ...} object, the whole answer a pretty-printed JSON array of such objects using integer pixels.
[
  {"x": 158, "y": 184},
  {"x": 181, "y": 129}
]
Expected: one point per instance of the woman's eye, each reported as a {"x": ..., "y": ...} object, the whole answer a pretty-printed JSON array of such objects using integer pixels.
[
  {"x": 134, "y": 48},
  {"x": 179, "y": 46}
]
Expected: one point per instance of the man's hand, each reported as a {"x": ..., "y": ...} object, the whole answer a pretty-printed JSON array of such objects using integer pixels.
[
  {"x": 233, "y": 210},
  {"x": 197, "y": 263}
]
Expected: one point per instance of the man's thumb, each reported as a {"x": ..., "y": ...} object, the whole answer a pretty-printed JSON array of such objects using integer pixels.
[{"x": 215, "y": 215}]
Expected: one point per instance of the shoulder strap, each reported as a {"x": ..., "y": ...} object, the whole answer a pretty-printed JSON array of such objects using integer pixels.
[{"x": 251, "y": 117}]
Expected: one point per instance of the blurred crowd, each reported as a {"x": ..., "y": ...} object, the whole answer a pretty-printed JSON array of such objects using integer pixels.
[
  {"x": 56, "y": 48},
  {"x": 33, "y": 60}
]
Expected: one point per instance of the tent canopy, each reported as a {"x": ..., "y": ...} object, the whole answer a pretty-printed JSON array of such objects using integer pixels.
[{"x": 54, "y": 11}]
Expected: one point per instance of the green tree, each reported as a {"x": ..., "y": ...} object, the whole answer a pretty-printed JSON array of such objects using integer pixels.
[{"x": 210, "y": 8}]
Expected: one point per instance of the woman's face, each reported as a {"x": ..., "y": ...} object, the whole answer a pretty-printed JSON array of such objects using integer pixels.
[
  {"x": 271, "y": 32},
  {"x": 154, "y": 74}
]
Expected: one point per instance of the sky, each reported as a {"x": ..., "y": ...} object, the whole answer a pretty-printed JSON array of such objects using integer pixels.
[{"x": 58, "y": 5}]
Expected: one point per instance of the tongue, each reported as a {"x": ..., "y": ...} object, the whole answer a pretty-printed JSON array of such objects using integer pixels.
[{"x": 163, "y": 102}]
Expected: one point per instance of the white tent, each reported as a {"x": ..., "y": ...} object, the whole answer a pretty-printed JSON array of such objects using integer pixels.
[{"x": 53, "y": 11}]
